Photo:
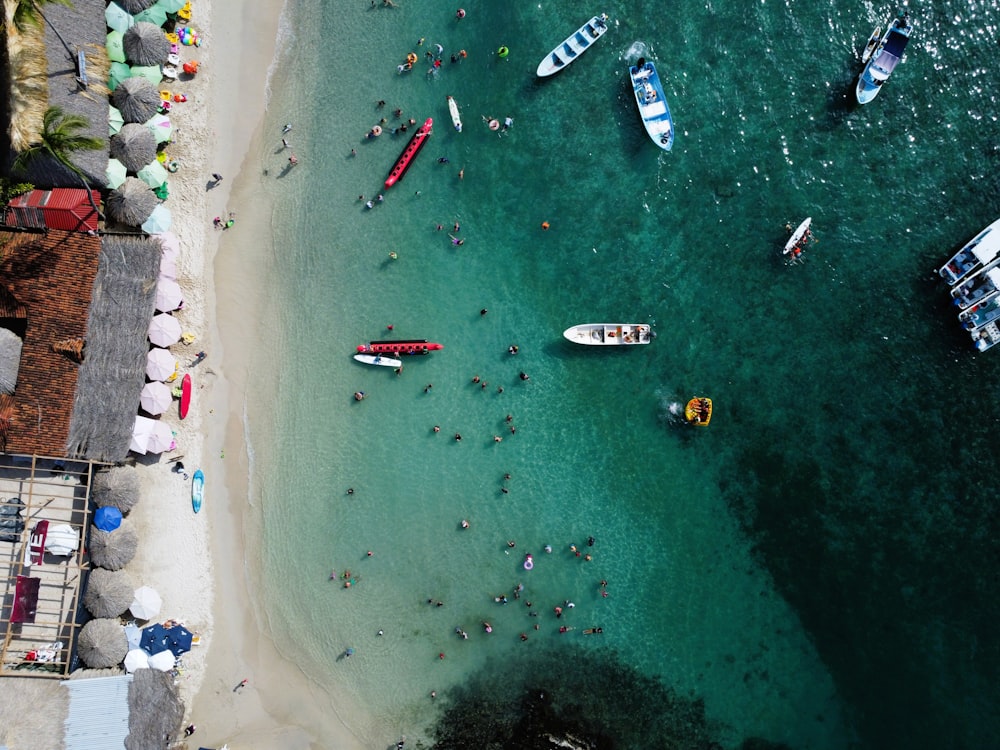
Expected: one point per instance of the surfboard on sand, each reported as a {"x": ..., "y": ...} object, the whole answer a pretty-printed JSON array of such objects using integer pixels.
[
  {"x": 197, "y": 490},
  {"x": 185, "y": 396},
  {"x": 456, "y": 118}
]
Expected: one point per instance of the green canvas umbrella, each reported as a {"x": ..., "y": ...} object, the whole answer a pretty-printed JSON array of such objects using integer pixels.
[
  {"x": 117, "y": 18},
  {"x": 115, "y": 173},
  {"x": 159, "y": 125},
  {"x": 115, "y": 119},
  {"x": 151, "y": 73},
  {"x": 117, "y": 73},
  {"x": 153, "y": 174},
  {"x": 154, "y": 15},
  {"x": 171, "y": 6},
  {"x": 162, "y": 192},
  {"x": 115, "y": 47}
]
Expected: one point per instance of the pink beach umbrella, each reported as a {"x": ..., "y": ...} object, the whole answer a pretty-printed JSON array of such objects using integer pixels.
[
  {"x": 160, "y": 439},
  {"x": 169, "y": 243},
  {"x": 160, "y": 364},
  {"x": 141, "y": 431},
  {"x": 164, "y": 330},
  {"x": 168, "y": 295},
  {"x": 155, "y": 398}
]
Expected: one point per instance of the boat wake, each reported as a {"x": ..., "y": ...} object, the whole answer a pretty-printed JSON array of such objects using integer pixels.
[
  {"x": 635, "y": 51},
  {"x": 671, "y": 410}
]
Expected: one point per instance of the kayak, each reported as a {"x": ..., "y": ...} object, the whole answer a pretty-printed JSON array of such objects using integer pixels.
[
  {"x": 185, "y": 396},
  {"x": 456, "y": 118},
  {"x": 197, "y": 490}
]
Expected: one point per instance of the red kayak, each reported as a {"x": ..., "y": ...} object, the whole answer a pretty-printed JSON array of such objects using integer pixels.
[
  {"x": 409, "y": 153},
  {"x": 185, "y": 395},
  {"x": 405, "y": 346}
]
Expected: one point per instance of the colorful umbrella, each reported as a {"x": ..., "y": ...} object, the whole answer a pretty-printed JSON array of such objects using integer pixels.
[
  {"x": 115, "y": 119},
  {"x": 114, "y": 175},
  {"x": 160, "y": 365},
  {"x": 154, "y": 14},
  {"x": 160, "y": 127},
  {"x": 168, "y": 296},
  {"x": 153, "y": 174},
  {"x": 115, "y": 46},
  {"x": 158, "y": 222},
  {"x": 164, "y": 330},
  {"x": 152, "y": 73},
  {"x": 155, "y": 398},
  {"x": 117, "y": 18}
]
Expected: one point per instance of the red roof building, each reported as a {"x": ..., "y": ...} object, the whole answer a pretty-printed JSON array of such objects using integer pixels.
[{"x": 60, "y": 208}]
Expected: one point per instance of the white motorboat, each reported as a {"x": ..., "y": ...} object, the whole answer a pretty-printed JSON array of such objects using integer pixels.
[
  {"x": 981, "y": 250},
  {"x": 575, "y": 45},
  {"x": 609, "y": 334}
]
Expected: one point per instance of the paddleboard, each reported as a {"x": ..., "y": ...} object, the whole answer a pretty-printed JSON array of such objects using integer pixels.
[
  {"x": 185, "y": 395},
  {"x": 797, "y": 235},
  {"x": 873, "y": 41},
  {"x": 377, "y": 359},
  {"x": 197, "y": 490},
  {"x": 456, "y": 118}
]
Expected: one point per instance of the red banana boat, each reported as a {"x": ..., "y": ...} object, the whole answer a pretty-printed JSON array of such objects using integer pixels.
[
  {"x": 404, "y": 346},
  {"x": 409, "y": 153}
]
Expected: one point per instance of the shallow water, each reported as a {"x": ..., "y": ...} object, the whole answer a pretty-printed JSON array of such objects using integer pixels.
[{"x": 810, "y": 565}]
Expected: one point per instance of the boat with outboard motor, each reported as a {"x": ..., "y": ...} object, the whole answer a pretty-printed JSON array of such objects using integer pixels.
[
  {"x": 986, "y": 337},
  {"x": 978, "y": 287},
  {"x": 409, "y": 153},
  {"x": 403, "y": 346},
  {"x": 575, "y": 45},
  {"x": 981, "y": 250},
  {"x": 982, "y": 313},
  {"x": 883, "y": 59},
  {"x": 653, "y": 109},
  {"x": 609, "y": 334},
  {"x": 698, "y": 411}
]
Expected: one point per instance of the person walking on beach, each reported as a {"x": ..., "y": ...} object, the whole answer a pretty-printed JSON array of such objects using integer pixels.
[
  {"x": 286, "y": 144},
  {"x": 293, "y": 160},
  {"x": 217, "y": 177},
  {"x": 239, "y": 687}
]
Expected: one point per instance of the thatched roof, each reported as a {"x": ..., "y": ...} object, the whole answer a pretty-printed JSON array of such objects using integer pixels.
[
  {"x": 10, "y": 359},
  {"x": 131, "y": 203},
  {"x": 134, "y": 146},
  {"x": 146, "y": 44},
  {"x": 102, "y": 643},
  {"x": 84, "y": 23},
  {"x": 137, "y": 99},
  {"x": 112, "y": 375},
  {"x": 155, "y": 709},
  {"x": 113, "y": 550},
  {"x": 117, "y": 486},
  {"x": 134, "y": 6},
  {"x": 109, "y": 593}
]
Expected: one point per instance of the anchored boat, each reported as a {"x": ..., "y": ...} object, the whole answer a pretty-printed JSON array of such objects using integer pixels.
[
  {"x": 977, "y": 287},
  {"x": 653, "y": 109},
  {"x": 404, "y": 346},
  {"x": 575, "y": 45},
  {"x": 981, "y": 250},
  {"x": 609, "y": 334},
  {"x": 882, "y": 61},
  {"x": 409, "y": 153}
]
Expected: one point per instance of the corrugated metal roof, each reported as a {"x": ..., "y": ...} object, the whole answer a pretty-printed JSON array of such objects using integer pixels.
[
  {"x": 59, "y": 208},
  {"x": 98, "y": 713}
]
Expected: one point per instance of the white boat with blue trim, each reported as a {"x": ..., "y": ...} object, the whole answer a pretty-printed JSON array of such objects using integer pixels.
[
  {"x": 981, "y": 314},
  {"x": 981, "y": 250},
  {"x": 575, "y": 45},
  {"x": 609, "y": 334},
  {"x": 883, "y": 60},
  {"x": 652, "y": 103},
  {"x": 977, "y": 287}
]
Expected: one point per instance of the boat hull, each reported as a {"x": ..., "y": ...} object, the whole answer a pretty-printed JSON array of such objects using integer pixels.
[
  {"x": 698, "y": 411},
  {"x": 649, "y": 97},
  {"x": 406, "y": 158},
  {"x": 456, "y": 118},
  {"x": 609, "y": 334},
  {"x": 797, "y": 236},
  {"x": 573, "y": 46},
  {"x": 882, "y": 60}
]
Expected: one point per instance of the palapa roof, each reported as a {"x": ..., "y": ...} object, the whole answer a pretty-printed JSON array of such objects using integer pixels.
[
  {"x": 102, "y": 643},
  {"x": 134, "y": 146},
  {"x": 117, "y": 486},
  {"x": 109, "y": 593},
  {"x": 113, "y": 550},
  {"x": 146, "y": 44},
  {"x": 114, "y": 370},
  {"x": 46, "y": 283},
  {"x": 137, "y": 99},
  {"x": 155, "y": 709},
  {"x": 131, "y": 203}
]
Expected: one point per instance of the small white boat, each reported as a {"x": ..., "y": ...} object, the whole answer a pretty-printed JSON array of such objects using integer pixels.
[
  {"x": 976, "y": 253},
  {"x": 575, "y": 45},
  {"x": 378, "y": 359},
  {"x": 456, "y": 118},
  {"x": 609, "y": 334},
  {"x": 882, "y": 58},
  {"x": 978, "y": 287},
  {"x": 653, "y": 109},
  {"x": 799, "y": 236},
  {"x": 986, "y": 337}
]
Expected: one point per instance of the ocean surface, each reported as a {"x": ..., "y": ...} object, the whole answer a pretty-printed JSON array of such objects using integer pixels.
[{"x": 817, "y": 568}]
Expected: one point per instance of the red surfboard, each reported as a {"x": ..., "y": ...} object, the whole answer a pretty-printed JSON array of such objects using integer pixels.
[{"x": 185, "y": 395}]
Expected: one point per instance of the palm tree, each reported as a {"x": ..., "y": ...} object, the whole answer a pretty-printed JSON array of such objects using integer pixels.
[
  {"x": 28, "y": 13},
  {"x": 60, "y": 137}
]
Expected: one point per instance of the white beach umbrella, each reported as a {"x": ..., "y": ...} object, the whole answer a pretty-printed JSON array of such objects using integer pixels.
[
  {"x": 161, "y": 439},
  {"x": 155, "y": 397},
  {"x": 164, "y": 329},
  {"x": 146, "y": 604},
  {"x": 168, "y": 295},
  {"x": 164, "y": 661},
  {"x": 160, "y": 364},
  {"x": 136, "y": 659},
  {"x": 141, "y": 431}
]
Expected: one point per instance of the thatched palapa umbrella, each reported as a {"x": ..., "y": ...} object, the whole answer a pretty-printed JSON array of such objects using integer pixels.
[
  {"x": 134, "y": 146},
  {"x": 109, "y": 593},
  {"x": 117, "y": 487},
  {"x": 155, "y": 709},
  {"x": 10, "y": 359},
  {"x": 135, "y": 6},
  {"x": 145, "y": 44},
  {"x": 132, "y": 203},
  {"x": 137, "y": 99},
  {"x": 113, "y": 550},
  {"x": 102, "y": 643}
]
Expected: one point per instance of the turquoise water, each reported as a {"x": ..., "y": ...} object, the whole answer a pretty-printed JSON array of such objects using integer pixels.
[{"x": 811, "y": 566}]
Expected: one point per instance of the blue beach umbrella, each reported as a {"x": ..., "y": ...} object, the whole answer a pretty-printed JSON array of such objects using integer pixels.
[
  {"x": 154, "y": 639},
  {"x": 117, "y": 18},
  {"x": 115, "y": 46},
  {"x": 108, "y": 518},
  {"x": 179, "y": 639},
  {"x": 159, "y": 221}
]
